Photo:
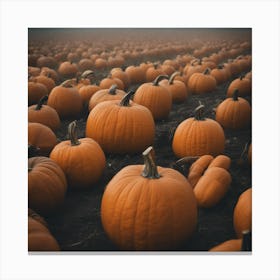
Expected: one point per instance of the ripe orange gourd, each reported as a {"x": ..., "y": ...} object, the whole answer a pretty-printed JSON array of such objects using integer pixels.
[
  {"x": 148, "y": 207},
  {"x": 243, "y": 85},
  {"x": 67, "y": 70},
  {"x": 121, "y": 126},
  {"x": 82, "y": 160},
  {"x": 35, "y": 92}
]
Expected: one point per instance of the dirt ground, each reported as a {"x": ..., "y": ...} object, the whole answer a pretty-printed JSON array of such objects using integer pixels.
[{"x": 77, "y": 224}]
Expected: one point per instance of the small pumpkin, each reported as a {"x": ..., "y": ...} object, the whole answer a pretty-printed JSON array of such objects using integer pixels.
[
  {"x": 39, "y": 237},
  {"x": 47, "y": 185},
  {"x": 66, "y": 100},
  {"x": 122, "y": 75},
  {"x": 50, "y": 73},
  {"x": 159, "y": 213},
  {"x": 177, "y": 88},
  {"x": 109, "y": 81},
  {"x": 243, "y": 85},
  {"x": 87, "y": 91},
  {"x": 234, "y": 112},
  {"x": 35, "y": 92},
  {"x": 42, "y": 137},
  {"x": 67, "y": 70},
  {"x": 242, "y": 214},
  {"x": 198, "y": 136},
  {"x": 82, "y": 160},
  {"x": 221, "y": 74},
  {"x": 235, "y": 245},
  {"x": 47, "y": 81},
  {"x": 152, "y": 72},
  {"x": 121, "y": 126},
  {"x": 113, "y": 93},
  {"x": 44, "y": 114},
  {"x": 200, "y": 83},
  {"x": 155, "y": 97},
  {"x": 135, "y": 74}
]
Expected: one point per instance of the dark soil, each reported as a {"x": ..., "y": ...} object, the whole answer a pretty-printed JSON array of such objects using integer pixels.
[{"x": 77, "y": 225}]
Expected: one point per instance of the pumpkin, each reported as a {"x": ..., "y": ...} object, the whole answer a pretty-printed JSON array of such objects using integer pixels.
[
  {"x": 221, "y": 74},
  {"x": 153, "y": 72},
  {"x": 67, "y": 69},
  {"x": 243, "y": 85},
  {"x": 135, "y": 74},
  {"x": 86, "y": 92},
  {"x": 50, "y": 73},
  {"x": 66, "y": 100},
  {"x": 235, "y": 245},
  {"x": 47, "y": 185},
  {"x": 46, "y": 61},
  {"x": 155, "y": 97},
  {"x": 82, "y": 160},
  {"x": 121, "y": 126},
  {"x": 200, "y": 83},
  {"x": 100, "y": 63},
  {"x": 122, "y": 75},
  {"x": 109, "y": 81},
  {"x": 242, "y": 214},
  {"x": 48, "y": 82},
  {"x": 198, "y": 136},
  {"x": 193, "y": 67},
  {"x": 113, "y": 93},
  {"x": 177, "y": 88},
  {"x": 44, "y": 114},
  {"x": 39, "y": 237},
  {"x": 35, "y": 92},
  {"x": 234, "y": 112},
  {"x": 148, "y": 207},
  {"x": 212, "y": 187},
  {"x": 85, "y": 64},
  {"x": 42, "y": 137}
]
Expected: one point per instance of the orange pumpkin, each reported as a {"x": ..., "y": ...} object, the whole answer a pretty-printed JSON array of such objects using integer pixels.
[
  {"x": 155, "y": 97},
  {"x": 46, "y": 185},
  {"x": 221, "y": 74},
  {"x": 200, "y": 83},
  {"x": 66, "y": 100},
  {"x": 35, "y": 92},
  {"x": 120, "y": 74},
  {"x": 234, "y": 112},
  {"x": 44, "y": 114},
  {"x": 153, "y": 72},
  {"x": 198, "y": 136},
  {"x": 48, "y": 82},
  {"x": 42, "y": 137},
  {"x": 109, "y": 81},
  {"x": 82, "y": 160},
  {"x": 159, "y": 213},
  {"x": 243, "y": 85},
  {"x": 242, "y": 214},
  {"x": 67, "y": 69},
  {"x": 121, "y": 126}
]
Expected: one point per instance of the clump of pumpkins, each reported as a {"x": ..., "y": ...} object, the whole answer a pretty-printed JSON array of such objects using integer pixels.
[{"x": 144, "y": 207}]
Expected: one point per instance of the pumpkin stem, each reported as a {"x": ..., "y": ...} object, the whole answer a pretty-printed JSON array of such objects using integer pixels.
[
  {"x": 207, "y": 71},
  {"x": 86, "y": 74},
  {"x": 235, "y": 95},
  {"x": 198, "y": 112},
  {"x": 32, "y": 151},
  {"x": 158, "y": 79},
  {"x": 113, "y": 89},
  {"x": 172, "y": 77},
  {"x": 41, "y": 102},
  {"x": 150, "y": 169},
  {"x": 125, "y": 100},
  {"x": 67, "y": 83},
  {"x": 72, "y": 134},
  {"x": 241, "y": 77},
  {"x": 221, "y": 66},
  {"x": 246, "y": 241},
  {"x": 186, "y": 160}
]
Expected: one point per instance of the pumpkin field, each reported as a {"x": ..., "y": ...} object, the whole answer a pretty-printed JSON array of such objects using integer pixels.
[{"x": 139, "y": 139}]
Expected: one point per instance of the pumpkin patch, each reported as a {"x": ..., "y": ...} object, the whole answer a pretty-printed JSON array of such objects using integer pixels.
[{"x": 110, "y": 119}]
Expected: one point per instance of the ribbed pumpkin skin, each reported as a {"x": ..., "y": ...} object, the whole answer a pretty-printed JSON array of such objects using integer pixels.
[
  {"x": 87, "y": 91},
  {"x": 243, "y": 85},
  {"x": 178, "y": 90},
  {"x": 234, "y": 114},
  {"x": 66, "y": 101},
  {"x": 83, "y": 164},
  {"x": 233, "y": 245},
  {"x": 242, "y": 215},
  {"x": 156, "y": 98},
  {"x": 200, "y": 83},
  {"x": 198, "y": 137},
  {"x": 148, "y": 214},
  {"x": 121, "y": 129},
  {"x": 40, "y": 238},
  {"x": 46, "y": 185},
  {"x": 35, "y": 92}
]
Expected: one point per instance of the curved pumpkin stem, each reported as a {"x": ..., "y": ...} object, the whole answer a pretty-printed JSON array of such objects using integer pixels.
[
  {"x": 150, "y": 169},
  {"x": 235, "y": 95},
  {"x": 67, "y": 83},
  {"x": 198, "y": 112},
  {"x": 158, "y": 79},
  {"x": 246, "y": 241},
  {"x": 41, "y": 102},
  {"x": 126, "y": 99},
  {"x": 86, "y": 74},
  {"x": 186, "y": 160},
  {"x": 220, "y": 66},
  {"x": 172, "y": 77},
  {"x": 207, "y": 71},
  {"x": 242, "y": 77},
  {"x": 113, "y": 89},
  {"x": 72, "y": 134}
]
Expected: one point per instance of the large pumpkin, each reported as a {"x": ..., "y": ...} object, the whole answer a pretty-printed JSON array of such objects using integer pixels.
[
  {"x": 155, "y": 97},
  {"x": 121, "y": 126},
  {"x": 198, "y": 136},
  {"x": 148, "y": 207},
  {"x": 46, "y": 185},
  {"x": 234, "y": 112},
  {"x": 82, "y": 160},
  {"x": 66, "y": 100}
]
